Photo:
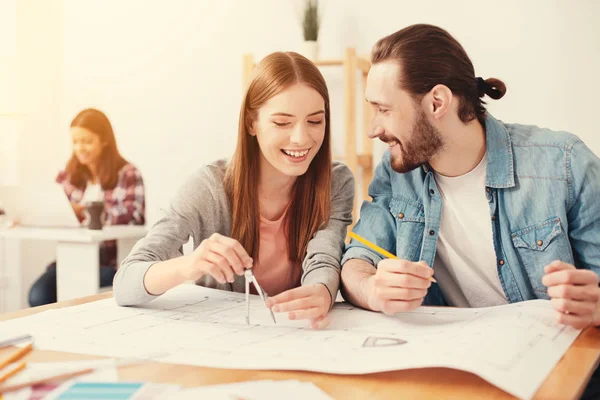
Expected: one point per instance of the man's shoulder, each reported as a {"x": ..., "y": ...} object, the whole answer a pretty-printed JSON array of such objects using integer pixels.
[
  {"x": 535, "y": 147},
  {"x": 535, "y": 136}
]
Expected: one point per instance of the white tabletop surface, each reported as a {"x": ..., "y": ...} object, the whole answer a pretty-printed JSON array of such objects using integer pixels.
[{"x": 75, "y": 235}]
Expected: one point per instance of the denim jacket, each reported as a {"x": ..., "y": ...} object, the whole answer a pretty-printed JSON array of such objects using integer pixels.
[{"x": 543, "y": 189}]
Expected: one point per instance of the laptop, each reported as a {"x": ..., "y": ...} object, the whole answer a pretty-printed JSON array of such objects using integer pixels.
[{"x": 42, "y": 205}]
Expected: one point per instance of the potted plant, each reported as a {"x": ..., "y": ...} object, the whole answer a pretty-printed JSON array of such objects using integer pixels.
[{"x": 310, "y": 25}]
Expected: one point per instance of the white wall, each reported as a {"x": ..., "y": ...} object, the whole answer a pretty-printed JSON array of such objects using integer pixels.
[
  {"x": 39, "y": 44},
  {"x": 168, "y": 73},
  {"x": 9, "y": 92}
]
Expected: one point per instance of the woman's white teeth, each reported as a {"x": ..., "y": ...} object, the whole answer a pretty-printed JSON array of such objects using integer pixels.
[{"x": 296, "y": 153}]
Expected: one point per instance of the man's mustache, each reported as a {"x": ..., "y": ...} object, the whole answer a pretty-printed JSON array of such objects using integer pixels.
[{"x": 389, "y": 139}]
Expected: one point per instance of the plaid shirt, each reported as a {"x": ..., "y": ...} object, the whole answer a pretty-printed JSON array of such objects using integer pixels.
[{"x": 123, "y": 205}]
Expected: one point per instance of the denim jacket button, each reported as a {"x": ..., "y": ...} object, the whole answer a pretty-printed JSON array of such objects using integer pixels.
[
  {"x": 431, "y": 192},
  {"x": 540, "y": 242},
  {"x": 400, "y": 215},
  {"x": 501, "y": 262},
  {"x": 432, "y": 232},
  {"x": 487, "y": 189}
]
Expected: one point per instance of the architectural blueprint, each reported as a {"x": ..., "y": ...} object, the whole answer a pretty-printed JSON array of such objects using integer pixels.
[{"x": 513, "y": 347}]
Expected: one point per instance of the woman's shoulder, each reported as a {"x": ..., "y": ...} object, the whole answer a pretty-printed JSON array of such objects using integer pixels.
[
  {"x": 129, "y": 170},
  {"x": 216, "y": 169},
  {"x": 341, "y": 176},
  {"x": 209, "y": 176},
  {"x": 212, "y": 173},
  {"x": 129, "y": 177},
  {"x": 62, "y": 176},
  {"x": 203, "y": 189}
]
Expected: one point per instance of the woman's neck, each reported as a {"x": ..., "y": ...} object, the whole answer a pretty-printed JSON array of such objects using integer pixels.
[
  {"x": 93, "y": 168},
  {"x": 274, "y": 192}
]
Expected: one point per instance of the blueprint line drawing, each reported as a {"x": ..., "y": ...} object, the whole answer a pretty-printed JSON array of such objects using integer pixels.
[{"x": 373, "y": 341}]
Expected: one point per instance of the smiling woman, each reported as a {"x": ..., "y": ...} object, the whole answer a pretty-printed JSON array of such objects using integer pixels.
[
  {"x": 280, "y": 206},
  {"x": 314, "y": 120},
  {"x": 96, "y": 171}
]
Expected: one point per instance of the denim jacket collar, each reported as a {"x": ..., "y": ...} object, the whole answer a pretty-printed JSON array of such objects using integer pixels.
[{"x": 500, "y": 161}]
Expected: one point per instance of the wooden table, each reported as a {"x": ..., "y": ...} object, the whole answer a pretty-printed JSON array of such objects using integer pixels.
[{"x": 567, "y": 380}]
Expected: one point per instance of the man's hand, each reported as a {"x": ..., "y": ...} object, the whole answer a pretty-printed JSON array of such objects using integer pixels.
[
  {"x": 574, "y": 294},
  {"x": 399, "y": 285}
]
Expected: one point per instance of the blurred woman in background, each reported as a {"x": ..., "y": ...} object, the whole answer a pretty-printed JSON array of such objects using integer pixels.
[{"x": 96, "y": 171}]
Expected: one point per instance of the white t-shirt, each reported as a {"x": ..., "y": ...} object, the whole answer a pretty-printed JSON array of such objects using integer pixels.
[
  {"x": 93, "y": 192},
  {"x": 465, "y": 261}
]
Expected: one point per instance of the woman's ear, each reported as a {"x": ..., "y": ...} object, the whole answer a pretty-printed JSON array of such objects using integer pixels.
[{"x": 251, "y": 130}]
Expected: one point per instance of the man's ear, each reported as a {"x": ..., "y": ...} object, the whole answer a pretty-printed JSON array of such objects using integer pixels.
[{"x": 438, "y": 101}]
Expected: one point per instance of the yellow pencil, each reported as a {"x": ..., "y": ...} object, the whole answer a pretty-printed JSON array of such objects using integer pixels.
[
  {"x": 12, "y": 371},
  {"x": 16, "y": 355},
  {"x": 378, "y": 249}
]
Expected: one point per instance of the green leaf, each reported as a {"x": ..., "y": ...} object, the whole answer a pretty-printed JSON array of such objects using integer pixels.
[{"x": 311, "y": 21}]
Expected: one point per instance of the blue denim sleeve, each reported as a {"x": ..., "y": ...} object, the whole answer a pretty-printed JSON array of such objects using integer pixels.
[
  {"x": 376, "y": 222},
  {"x": 584, "y": 207}
]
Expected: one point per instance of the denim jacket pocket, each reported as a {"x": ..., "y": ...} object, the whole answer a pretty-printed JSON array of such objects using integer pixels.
[
  {"x": 410, "y": 223},
  {"x": 537, "y": 246}
]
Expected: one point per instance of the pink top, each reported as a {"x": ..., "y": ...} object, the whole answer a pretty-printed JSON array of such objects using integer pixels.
[{"x": 274, "y": 271}]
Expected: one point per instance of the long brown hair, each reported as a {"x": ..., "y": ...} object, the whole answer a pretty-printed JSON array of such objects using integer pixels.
[
  {"x": 428, "y": 56},
  {"x": 311, "y": 195},
  {"x": 110, "y": 162}
]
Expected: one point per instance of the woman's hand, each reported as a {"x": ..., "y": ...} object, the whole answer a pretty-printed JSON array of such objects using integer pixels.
[
  {"x": 218, "y": 256},
  {"x": 79, "y": 210},
  {"x": 14, "y": 222},
  {"x": 310, "y": 302}
]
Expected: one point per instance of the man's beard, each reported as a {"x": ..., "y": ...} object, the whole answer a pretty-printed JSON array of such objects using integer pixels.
[{"x": 425, "y": 142}]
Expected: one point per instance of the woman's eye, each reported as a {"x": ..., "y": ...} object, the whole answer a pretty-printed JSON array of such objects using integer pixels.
[
  {"x": 319, "y": 122},
  {"x": 281, "y": 123}
]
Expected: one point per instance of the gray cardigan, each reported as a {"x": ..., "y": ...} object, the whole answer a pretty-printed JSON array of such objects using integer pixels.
[{"x": 201, "y": 208}]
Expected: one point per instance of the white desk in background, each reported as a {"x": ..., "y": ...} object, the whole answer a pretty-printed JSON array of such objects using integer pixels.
[{"x": 77, "y": 258}]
